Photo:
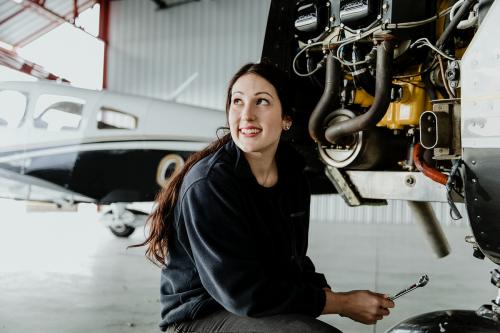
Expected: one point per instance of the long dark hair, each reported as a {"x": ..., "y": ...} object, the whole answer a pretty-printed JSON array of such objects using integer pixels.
[{"x": 161, "y": 220}]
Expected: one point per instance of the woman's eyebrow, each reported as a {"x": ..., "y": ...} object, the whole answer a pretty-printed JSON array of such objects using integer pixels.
[{"x": 263, "y": 92}]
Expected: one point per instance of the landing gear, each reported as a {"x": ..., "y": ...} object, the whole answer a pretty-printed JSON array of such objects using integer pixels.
[{"x": 122, "y": 221}]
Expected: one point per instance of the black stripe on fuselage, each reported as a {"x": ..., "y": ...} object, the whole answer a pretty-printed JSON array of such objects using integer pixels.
[{"x": 115, "y": 175}]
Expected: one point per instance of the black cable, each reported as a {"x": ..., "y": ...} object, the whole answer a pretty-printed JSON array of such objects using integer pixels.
[{"x": 451, "y": 186}]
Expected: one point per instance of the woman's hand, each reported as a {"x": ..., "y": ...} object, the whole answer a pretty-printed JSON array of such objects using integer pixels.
[{"x": 360, "y": 305}]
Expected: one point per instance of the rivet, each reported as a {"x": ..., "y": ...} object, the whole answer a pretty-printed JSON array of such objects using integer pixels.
[
  {"x": 476, "y": 199},
  {"x": 473, "y": 162},
  {"x": 474, "y": 180}
]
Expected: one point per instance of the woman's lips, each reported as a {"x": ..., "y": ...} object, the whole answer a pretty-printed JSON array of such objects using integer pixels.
[{"x": 250, "y": 131}]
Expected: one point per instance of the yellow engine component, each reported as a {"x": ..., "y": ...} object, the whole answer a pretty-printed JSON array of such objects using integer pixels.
[
  {"x": 362, "y": 98},
  {"x": 407, "y": 111}
]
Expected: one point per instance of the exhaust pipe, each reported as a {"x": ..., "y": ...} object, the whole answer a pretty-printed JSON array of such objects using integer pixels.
[
  {"x": 328, "y": 100},
  {"x": 426, "y": 217},
  {"x": 381, "y": 100}
]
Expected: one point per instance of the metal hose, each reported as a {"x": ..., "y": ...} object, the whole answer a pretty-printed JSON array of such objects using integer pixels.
[
  {"x": 328, "y": 100},
  {"x": 464, "y": 9},
  {"x": 381, "y": 100}
]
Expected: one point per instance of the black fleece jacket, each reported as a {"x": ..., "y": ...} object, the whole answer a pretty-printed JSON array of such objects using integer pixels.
[{"x": 239, "y": 245}]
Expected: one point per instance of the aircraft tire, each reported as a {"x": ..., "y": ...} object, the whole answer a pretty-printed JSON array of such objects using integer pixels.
[{"x": 122, "y": 231}]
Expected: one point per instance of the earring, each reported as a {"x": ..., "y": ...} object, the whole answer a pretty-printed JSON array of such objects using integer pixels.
[{"x": 286, "y": 127}]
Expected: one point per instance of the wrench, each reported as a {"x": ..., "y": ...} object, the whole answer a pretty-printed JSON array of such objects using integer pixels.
[{"x": 421, "y": 282}]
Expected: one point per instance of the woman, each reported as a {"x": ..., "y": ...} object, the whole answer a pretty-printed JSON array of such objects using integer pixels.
[{"x": 231, "y": 229}]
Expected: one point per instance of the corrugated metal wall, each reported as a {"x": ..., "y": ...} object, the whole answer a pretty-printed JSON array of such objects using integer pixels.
[
  {"x": 152, "y": 52},
  {"x": 333, "y": 209}
]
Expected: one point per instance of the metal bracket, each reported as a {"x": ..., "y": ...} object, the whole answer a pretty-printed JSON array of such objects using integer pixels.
[{"x": 344, "y": 188}]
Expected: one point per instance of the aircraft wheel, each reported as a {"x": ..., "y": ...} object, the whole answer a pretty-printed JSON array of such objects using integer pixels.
[
  {"x": 121, "y": 230},
  {"x": 125, "y": 225}
]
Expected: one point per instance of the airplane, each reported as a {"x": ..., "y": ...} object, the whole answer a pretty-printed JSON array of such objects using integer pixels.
[
  {"x": 400, "y": 100},
  {"x": 66, "y": 145}
]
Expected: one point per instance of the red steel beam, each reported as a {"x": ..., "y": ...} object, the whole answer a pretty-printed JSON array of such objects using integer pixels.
[
  {"x": 13, "y": 60},
  {"x": 75, "y": 10},
  {"x": 104, "y": 36}
]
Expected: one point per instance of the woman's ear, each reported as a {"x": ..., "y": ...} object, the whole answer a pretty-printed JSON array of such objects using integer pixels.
[{"x": 286, "y": 123}]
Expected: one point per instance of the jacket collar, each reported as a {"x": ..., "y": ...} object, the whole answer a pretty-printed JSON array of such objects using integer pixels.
[{"x": 289, "y": 161}]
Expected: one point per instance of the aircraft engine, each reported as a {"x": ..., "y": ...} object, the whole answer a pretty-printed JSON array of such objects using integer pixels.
[
  {"x": 378, "y": 90},
  {"x": 398, "y": 100}
]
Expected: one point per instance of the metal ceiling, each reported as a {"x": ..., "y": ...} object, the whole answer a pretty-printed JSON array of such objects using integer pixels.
[{"x": 22, "y": 21}]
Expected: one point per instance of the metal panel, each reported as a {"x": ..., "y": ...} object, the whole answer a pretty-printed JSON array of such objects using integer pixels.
[
  {"x": 152, "y": 52},
  {"x": 481, "y": 85}
]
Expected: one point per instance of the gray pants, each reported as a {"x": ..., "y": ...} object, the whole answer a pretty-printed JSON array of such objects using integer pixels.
[{"x": 226, "y": 322}]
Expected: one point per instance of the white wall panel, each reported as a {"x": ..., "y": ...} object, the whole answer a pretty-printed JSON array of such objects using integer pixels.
[
  {"x": 333, "y": 209},
  {"x": 152, "y": 52}
]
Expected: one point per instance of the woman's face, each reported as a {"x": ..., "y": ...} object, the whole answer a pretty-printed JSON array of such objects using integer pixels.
[{"x": 255, "y": 115}]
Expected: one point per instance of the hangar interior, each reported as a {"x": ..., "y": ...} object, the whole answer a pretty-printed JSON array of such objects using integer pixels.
[{"x": 64, "y": 271}]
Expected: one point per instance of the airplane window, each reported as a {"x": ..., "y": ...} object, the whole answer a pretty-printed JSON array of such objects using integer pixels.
[
  {"x": 58, "y": 113},
  {"x": 108, "y": 118},
  {"x": 12, "y": 108}
]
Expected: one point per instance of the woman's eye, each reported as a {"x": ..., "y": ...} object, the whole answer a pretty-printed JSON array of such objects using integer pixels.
[
  {"x": 237, "y": 101},
  {"x": 262, "y": 101}
]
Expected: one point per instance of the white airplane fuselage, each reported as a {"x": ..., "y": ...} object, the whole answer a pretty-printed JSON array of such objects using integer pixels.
[{"x": 66, "y": 145}]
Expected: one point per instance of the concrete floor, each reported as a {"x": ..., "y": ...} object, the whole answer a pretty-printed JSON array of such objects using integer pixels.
[{"x": 64, "y": 272}]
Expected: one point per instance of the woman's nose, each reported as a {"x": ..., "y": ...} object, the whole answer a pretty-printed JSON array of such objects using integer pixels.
[{"x": 248, "y": 112}]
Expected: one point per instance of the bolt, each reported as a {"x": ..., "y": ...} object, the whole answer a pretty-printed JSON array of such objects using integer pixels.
[
  {"x": 473, "y": 162},
  {"x": 410, "y": 180},
  {"x": 474, "y": 180}
]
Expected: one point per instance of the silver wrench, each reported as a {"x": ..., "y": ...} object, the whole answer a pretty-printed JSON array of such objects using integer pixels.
[{"x": 421, "y": 282}]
